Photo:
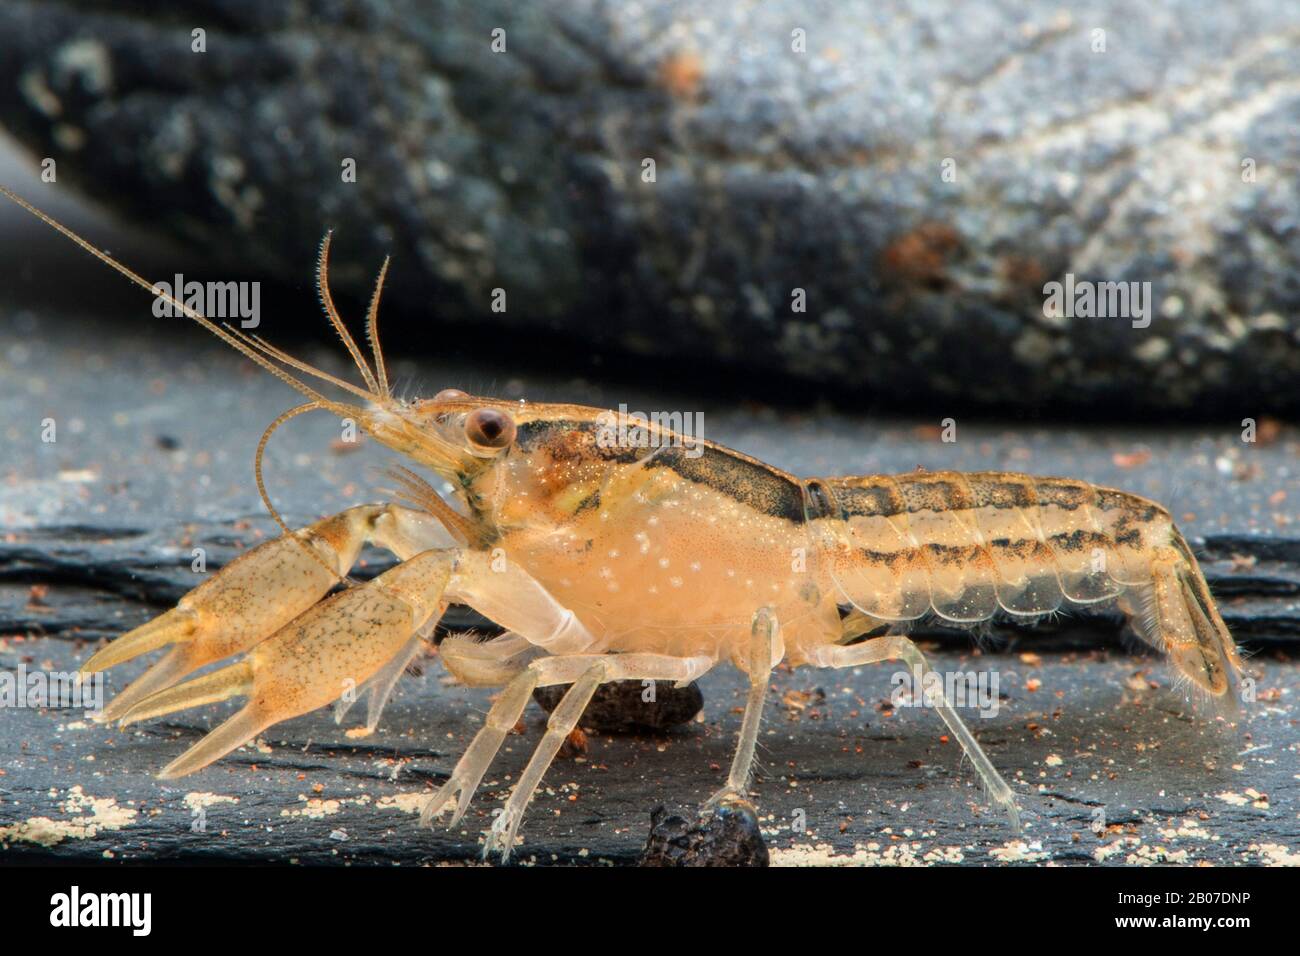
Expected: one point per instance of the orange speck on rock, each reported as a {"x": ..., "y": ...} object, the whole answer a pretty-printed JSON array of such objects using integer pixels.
[
  {"x": 681, "y": 74},
  {"x": 921, "y": 256},
  {"x": 1268, "y": 430},
  {"x": 575, "y": 744}
]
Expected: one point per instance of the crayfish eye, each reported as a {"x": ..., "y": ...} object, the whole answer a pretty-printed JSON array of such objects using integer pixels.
[
  {"x": 489, "y": 429},
  {"x": 449, "y": 394}
]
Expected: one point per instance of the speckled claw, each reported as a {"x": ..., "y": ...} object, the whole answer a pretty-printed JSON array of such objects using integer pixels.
[
  {"x": 238, "y": 607},
  {"x": 337, "y": 644}
]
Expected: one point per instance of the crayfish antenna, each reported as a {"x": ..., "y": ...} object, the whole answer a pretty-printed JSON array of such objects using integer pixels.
[
  {"x": 252, "y": 348},
  {"x": 218, "y": 331}
]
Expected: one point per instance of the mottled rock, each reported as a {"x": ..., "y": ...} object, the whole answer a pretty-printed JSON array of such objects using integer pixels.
[
  {"x": 860, "y": 197},
  {"x": 727, "y": 835},
  {"x": 622, "y": 707}
]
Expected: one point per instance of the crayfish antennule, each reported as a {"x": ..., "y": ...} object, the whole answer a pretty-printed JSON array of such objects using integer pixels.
[
  {"x": 327, "y": 300},
  {"x": 372, "y": 332}
]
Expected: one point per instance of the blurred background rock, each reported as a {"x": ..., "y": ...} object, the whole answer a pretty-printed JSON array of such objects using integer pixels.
[{"x": 797, "y": 145}]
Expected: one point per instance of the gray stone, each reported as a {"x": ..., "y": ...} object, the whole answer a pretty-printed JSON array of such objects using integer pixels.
[
  {"x": 728, "y": 835},
  {"x": 776, "y": 171},
  {"x": 622, "y": 707}
]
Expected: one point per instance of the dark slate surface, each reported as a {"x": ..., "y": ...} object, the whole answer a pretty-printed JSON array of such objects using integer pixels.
[
  {"x": 776, "y": 170},
  {"x": 156, "y": 431}
]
